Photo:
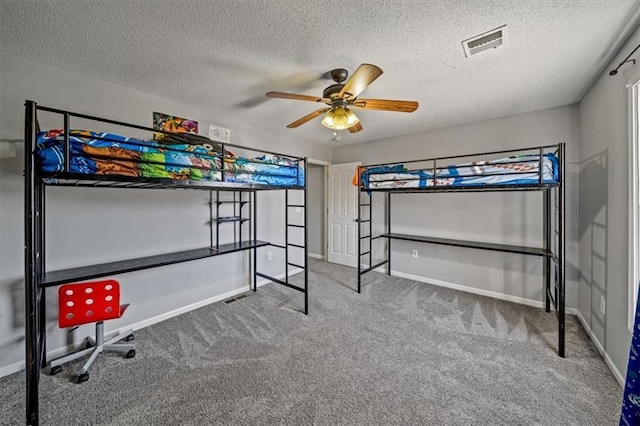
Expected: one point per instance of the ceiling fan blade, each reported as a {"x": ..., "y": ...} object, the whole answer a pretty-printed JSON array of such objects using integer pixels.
[
  {"x": 364, "y": 76},
  {"x": 386, "y": 105},
  {"x": 308, "y": 117},
  {"x": 295, "y": 96},
  {"x": 355, "y": 128}
]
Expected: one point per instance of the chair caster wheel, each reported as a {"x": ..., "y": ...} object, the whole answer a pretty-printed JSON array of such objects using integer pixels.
[
  {"x": 82, "y": 378},
  {"x": 55, "y": 370},
  {"x": 130, "y": 338},
  {"x": 131, "y": 353},
  {"x": 88, "y": 345}
]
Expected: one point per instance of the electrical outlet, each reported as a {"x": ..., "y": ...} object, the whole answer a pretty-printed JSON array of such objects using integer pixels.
[
  {"x": 415, "y": 253},
  {"x": 246, "y": 260},
  {"x": 603, "y": 305},
  {"x": 269, "y": 255}
]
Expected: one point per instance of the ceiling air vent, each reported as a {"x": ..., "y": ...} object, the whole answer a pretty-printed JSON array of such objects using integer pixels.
[{"x": 482, "y": 42}]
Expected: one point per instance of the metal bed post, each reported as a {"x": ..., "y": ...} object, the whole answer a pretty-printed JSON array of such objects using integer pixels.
[
  {"x": 389, "y": 232},
  {"x": 286, "y": 236},
  {"x": 547, "y": 207},
  {"x": 306, "y": 240},
  {"x": 240, "y": 215},
  {"x": 31, "y": 278},
  {"x": 546, "y": 230},
  {"x": 359, "y": 235},
  {"x": 561, "y": 251},
  {"x": 235, "y": 223},
  {"x": 40, "y": 269},
  {"x": 255, "y": 237},
  {"x": 217, "y": 219},
  {"x": 211, "y": 217},
  {"x": 370, "y": 230},
  {"x": 67, "y": 145}
]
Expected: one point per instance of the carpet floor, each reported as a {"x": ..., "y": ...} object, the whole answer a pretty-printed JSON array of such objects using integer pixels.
[{"x": 402, "y": 352}]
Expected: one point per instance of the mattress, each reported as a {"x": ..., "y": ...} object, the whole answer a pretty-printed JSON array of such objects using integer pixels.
[
  {"x": 94, "y": 153},
  {"x": 517, "y": 170}
]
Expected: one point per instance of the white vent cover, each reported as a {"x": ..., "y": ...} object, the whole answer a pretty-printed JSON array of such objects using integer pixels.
[{"x": 485, "y": 41}]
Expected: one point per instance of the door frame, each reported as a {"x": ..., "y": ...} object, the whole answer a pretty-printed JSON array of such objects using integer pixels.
[
  {"x": 325, "y": 172},
  {"x": 326, "y": 190},
  {"x": 633, "y": 88}
]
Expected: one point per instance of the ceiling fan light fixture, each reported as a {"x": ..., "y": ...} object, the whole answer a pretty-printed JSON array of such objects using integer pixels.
[{"x": 339, "y": 118}]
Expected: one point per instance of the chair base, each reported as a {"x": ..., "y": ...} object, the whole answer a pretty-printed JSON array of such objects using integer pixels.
[{"x": 97, "y": 346}]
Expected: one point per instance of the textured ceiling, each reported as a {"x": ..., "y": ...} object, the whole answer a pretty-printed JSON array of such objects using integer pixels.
[{"x": 224, "y": 55}]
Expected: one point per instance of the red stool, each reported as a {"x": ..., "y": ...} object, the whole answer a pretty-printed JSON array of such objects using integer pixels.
[{"x": 86, "y": 303}]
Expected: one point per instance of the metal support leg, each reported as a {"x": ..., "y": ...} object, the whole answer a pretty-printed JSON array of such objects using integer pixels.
[
  {"x": 389, "y": 232},
  {"x": 561, "y": 254},
  {"x": 306, "y": 241},
  {"x": 211, "y": 217},
  {"x": 255, "y": 237},
  {"x": 31, "y": 278},
  {"x": 371, "y": 230},
  {"x": 359, "y": 194},
  {"x": 547, "y": 246},
  {"x": 286, "y": 236}
]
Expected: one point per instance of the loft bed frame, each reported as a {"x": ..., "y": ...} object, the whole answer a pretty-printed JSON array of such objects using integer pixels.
[
  {"x": 37, "y": 278},
  {"x": 553, "y": 250}
]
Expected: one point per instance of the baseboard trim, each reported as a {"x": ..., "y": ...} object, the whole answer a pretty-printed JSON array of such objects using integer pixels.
[
  {"x": 55, "y": 353},
  {"x": 315, "y": 256},
  {"x": 614, "y": 370},
  {"x": 479, "y": 291}
]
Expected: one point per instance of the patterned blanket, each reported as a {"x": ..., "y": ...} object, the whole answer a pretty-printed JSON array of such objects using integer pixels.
[
  {"x": 518, "y": 170},
  {"x": 97, "y": 153}
]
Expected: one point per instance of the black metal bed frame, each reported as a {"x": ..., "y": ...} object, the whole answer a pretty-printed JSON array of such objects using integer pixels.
[
  {"x": 37, "y": 279},
  {"x": 551, "y": 252}
]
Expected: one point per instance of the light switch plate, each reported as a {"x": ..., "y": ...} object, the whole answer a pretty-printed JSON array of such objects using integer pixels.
[{"x": 219, "y": 134}]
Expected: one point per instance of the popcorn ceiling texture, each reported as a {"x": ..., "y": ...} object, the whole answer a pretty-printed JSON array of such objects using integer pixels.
[{"x": 223, "y": 56}]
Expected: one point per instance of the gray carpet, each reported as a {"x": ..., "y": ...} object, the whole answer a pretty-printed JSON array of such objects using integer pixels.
[{"x": 402, "y": 352}]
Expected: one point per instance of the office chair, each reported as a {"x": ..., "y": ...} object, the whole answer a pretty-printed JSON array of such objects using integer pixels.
[{"x": 91, "y": 302}]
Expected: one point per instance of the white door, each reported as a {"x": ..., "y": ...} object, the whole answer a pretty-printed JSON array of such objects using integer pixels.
[{"x": 342, "y": 214}]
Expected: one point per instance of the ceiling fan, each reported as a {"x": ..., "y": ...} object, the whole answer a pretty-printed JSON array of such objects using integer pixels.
[{"x": 340, "y": 97}]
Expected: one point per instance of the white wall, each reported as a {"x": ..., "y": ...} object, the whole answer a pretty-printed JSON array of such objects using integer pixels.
[
  {"x": 511, "y": 218},
  {"x": 99, "y": 225},
  {"x": 604, "y": 183}
]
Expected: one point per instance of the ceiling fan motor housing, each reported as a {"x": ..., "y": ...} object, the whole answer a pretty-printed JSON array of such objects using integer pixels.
[
  {"x": 332, "y": 91},
  {"x": 339, "y": 75}
]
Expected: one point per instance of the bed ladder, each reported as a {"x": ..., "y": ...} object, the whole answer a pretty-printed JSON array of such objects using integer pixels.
[
  {"x": 303, "y": 246},
  {"x": 362, "y": 208},
  {"x": 360, "y": 221},
  {"x": 300, "y": 208}
]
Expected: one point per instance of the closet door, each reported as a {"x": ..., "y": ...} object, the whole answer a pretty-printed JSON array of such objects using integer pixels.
[{"x": 342, "y": 212}]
